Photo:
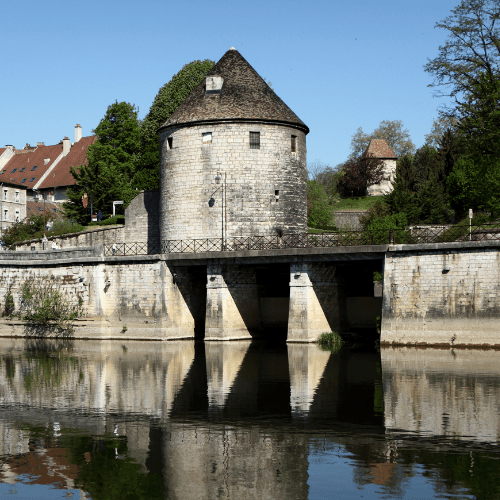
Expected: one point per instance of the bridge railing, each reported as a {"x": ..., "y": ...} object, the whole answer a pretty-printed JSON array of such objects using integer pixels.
[{"x": 409, "y": 236}]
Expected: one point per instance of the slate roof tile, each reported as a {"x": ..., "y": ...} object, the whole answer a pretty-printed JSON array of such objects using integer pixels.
[
  {"x": 379, "y": 149},
  {"x": 244, "y": 96}
]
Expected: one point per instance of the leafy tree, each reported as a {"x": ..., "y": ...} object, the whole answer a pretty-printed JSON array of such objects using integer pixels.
[
  {"x": 392, "y": 131},
  {"x": 111, "y": 164},
  {"x": 440, "y": 125},
  {"x": 169, "y": 97},
  {"x": 358, "y": 174},
  {"x": 471, "y": 50},
  {"x": 319, "y": 211},
  {"x": 27, "y": 229}
]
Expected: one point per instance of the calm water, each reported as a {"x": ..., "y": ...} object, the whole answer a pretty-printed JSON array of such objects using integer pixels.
[{"x": 183, "y": 420}]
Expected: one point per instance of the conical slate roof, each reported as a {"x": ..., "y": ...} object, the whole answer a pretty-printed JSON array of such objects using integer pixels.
[
  {"x": 379, "y": 149},
  {"x": 245, "y": 96}
]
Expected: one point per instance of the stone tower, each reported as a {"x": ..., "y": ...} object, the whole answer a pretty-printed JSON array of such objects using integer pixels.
[
  {"x": 378, "y": 148},
  {"x": 232, "y": 129}
]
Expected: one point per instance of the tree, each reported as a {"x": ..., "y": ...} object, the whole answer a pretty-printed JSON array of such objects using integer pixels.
[
  {"x": 319, "y": 211},
  {"x": 439, "y": 126},
  {"x": 111, "y": 164},
  {"x": 392, "y": 131},
  {"x": 471, "y": 50},
  {"x": 169, "y": 97},
  {"x": 358, "y": 174}
]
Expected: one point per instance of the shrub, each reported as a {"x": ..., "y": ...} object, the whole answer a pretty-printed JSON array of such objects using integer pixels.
[
  {"x": 330, "y": 339},
  {"x": 117, "y": 219},
  {"x": 45, "y": 304}
]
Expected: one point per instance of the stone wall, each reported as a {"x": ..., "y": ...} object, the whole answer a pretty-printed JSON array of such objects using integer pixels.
[
  {"x": 191, "y": 200},
  {"x": 123, "y": 297},
  {"x": 349, "y": 220},
  {"x": 442, "y": 294},
  {"x": 142, "y": 225}
]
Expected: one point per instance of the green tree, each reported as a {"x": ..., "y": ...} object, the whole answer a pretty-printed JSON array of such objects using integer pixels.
[
  {"x": 111, "y": 164},
  {"x": 392, "y": 131},
  {"x": 440, "y": 125},
  {"x": 358, "y": 174},
  {"x": 319, "y": 210},
  {"x": 169, "y": 97},
  {"x": 472, "y": 48}
]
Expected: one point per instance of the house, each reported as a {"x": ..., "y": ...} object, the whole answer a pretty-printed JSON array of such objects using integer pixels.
[
  {"x": 378, "y": 148},
  {"x": 38, "y": 175}
]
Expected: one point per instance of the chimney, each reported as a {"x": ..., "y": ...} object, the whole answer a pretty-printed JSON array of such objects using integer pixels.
[
  {"x": 10, "y": 146},
  {"x": 78, "y": 132},
  {"x": 38, "y": 144},
  {"x": 66, "y": 146}
]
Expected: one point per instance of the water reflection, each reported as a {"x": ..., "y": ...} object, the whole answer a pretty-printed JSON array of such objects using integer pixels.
[{"x": 247, "y": 420}]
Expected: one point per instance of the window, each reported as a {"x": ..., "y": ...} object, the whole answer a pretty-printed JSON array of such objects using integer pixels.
[
  {"x": 23, "y": 169},
  {"x": 5, "y": 214},
  {"x": 34, "y": 168},
  {"x": 5, "y": 191},
  {"x": 23, "y": 181},
  {"x": 254, "y": 140},
  {"x": 207, "y": 138},
  {"x": 14, "y": 170},
  {"x": 294, "y": 143},
  {"x": 32, "y": 179},
  {"x": 17, "y": 196},
  {"x": 170, "y": 142},
  {"x": 17, "y": 215}
]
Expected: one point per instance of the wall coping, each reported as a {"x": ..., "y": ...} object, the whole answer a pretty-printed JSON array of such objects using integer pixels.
[{"x": 456, "y": 245}]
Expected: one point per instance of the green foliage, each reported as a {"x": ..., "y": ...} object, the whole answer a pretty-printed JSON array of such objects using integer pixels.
[
  {"x": 111, "y": 164},
  {"x": 392, "y": 131},
  {"x": 111, "y": 221},
  {"x": 25, "y": 230},
  {"x": 358, "y": 174},
  {"x": 46, "y": 304},
  {"x": 330, "y": 340},
  {"x": 376, "y": 211},
  {"x": 378, "y": 276},
  {"x": 106, "y": 478},
  {"x": 169, "y": 97},
  {"x": 319, "y": 210},
  {"x": 8, "y": 309}
]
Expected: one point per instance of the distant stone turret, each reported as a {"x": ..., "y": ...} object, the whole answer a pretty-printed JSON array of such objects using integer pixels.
[
  {"x": 234, "y": 127},
  {"x": 380, "y": 149}
]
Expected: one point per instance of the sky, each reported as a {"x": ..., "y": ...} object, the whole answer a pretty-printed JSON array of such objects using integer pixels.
[{"x": 338, "y": 65}]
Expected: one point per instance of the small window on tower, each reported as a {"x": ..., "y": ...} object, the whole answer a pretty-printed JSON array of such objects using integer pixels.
[
  {"x": 207, "y": 138},
  {"x": 254, "y": 140},
  {"x": 170, "y": 142},
  {"x": 294, "y": 143}
]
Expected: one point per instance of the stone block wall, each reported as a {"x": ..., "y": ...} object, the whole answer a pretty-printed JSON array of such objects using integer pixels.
[
  {"x": 442, "y": 294},
  {"x": 253, "y": 179},
  {"x": 142, "y": 220},
  {"x": 349, "y": 220}
]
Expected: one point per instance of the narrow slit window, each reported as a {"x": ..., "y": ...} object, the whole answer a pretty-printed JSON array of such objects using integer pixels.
[
  {"x": 277, "y": 195},
  {"x": 170, "y": 142},
  {"x": 207, "y": 138},
  {"x": 254, "y": 140},
  {"x": 294, "y": 143}
]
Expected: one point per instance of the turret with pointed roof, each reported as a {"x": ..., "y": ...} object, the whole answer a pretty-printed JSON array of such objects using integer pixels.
[
  {"x": 244, "y": 95},
  {"x": 234, "y": 127}
]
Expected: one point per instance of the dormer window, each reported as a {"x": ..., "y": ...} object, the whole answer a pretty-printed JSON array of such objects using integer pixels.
[
  {"x": 23, "y": 181},
  {"x": 23, "y": 169},
  {"x": 34, "y": 168},
  {"x": 32, "y": 179},
  {"x": 213, "y": 85},
  {"x": 14, "y": 170},
  {"x": 207, "y": 138}
]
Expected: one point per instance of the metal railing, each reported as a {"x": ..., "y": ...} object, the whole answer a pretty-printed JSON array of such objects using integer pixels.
[
  {"x": 409, "y": 236},
  {"x": 414, "y": 235}
]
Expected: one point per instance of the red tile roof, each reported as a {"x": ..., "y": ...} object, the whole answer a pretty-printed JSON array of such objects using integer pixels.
[
  {"x": 27, "y": 159},
  {"x": 2, "y": 151},
  {"x": 61, "y": 175},
  {"x": 37, "y": 208},
  {"x": 379, "y": 149}
]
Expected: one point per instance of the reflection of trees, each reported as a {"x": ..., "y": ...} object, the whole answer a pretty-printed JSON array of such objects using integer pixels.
[{"x": 105, "y": 471}]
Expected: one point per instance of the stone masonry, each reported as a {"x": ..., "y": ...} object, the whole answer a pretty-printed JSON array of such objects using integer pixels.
[
  {"x": 265, "y": 189},
  {"x": 442, "y": 294}
]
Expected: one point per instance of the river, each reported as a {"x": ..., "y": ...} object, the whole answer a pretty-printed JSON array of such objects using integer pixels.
[{"x": 193, "y": 420}]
